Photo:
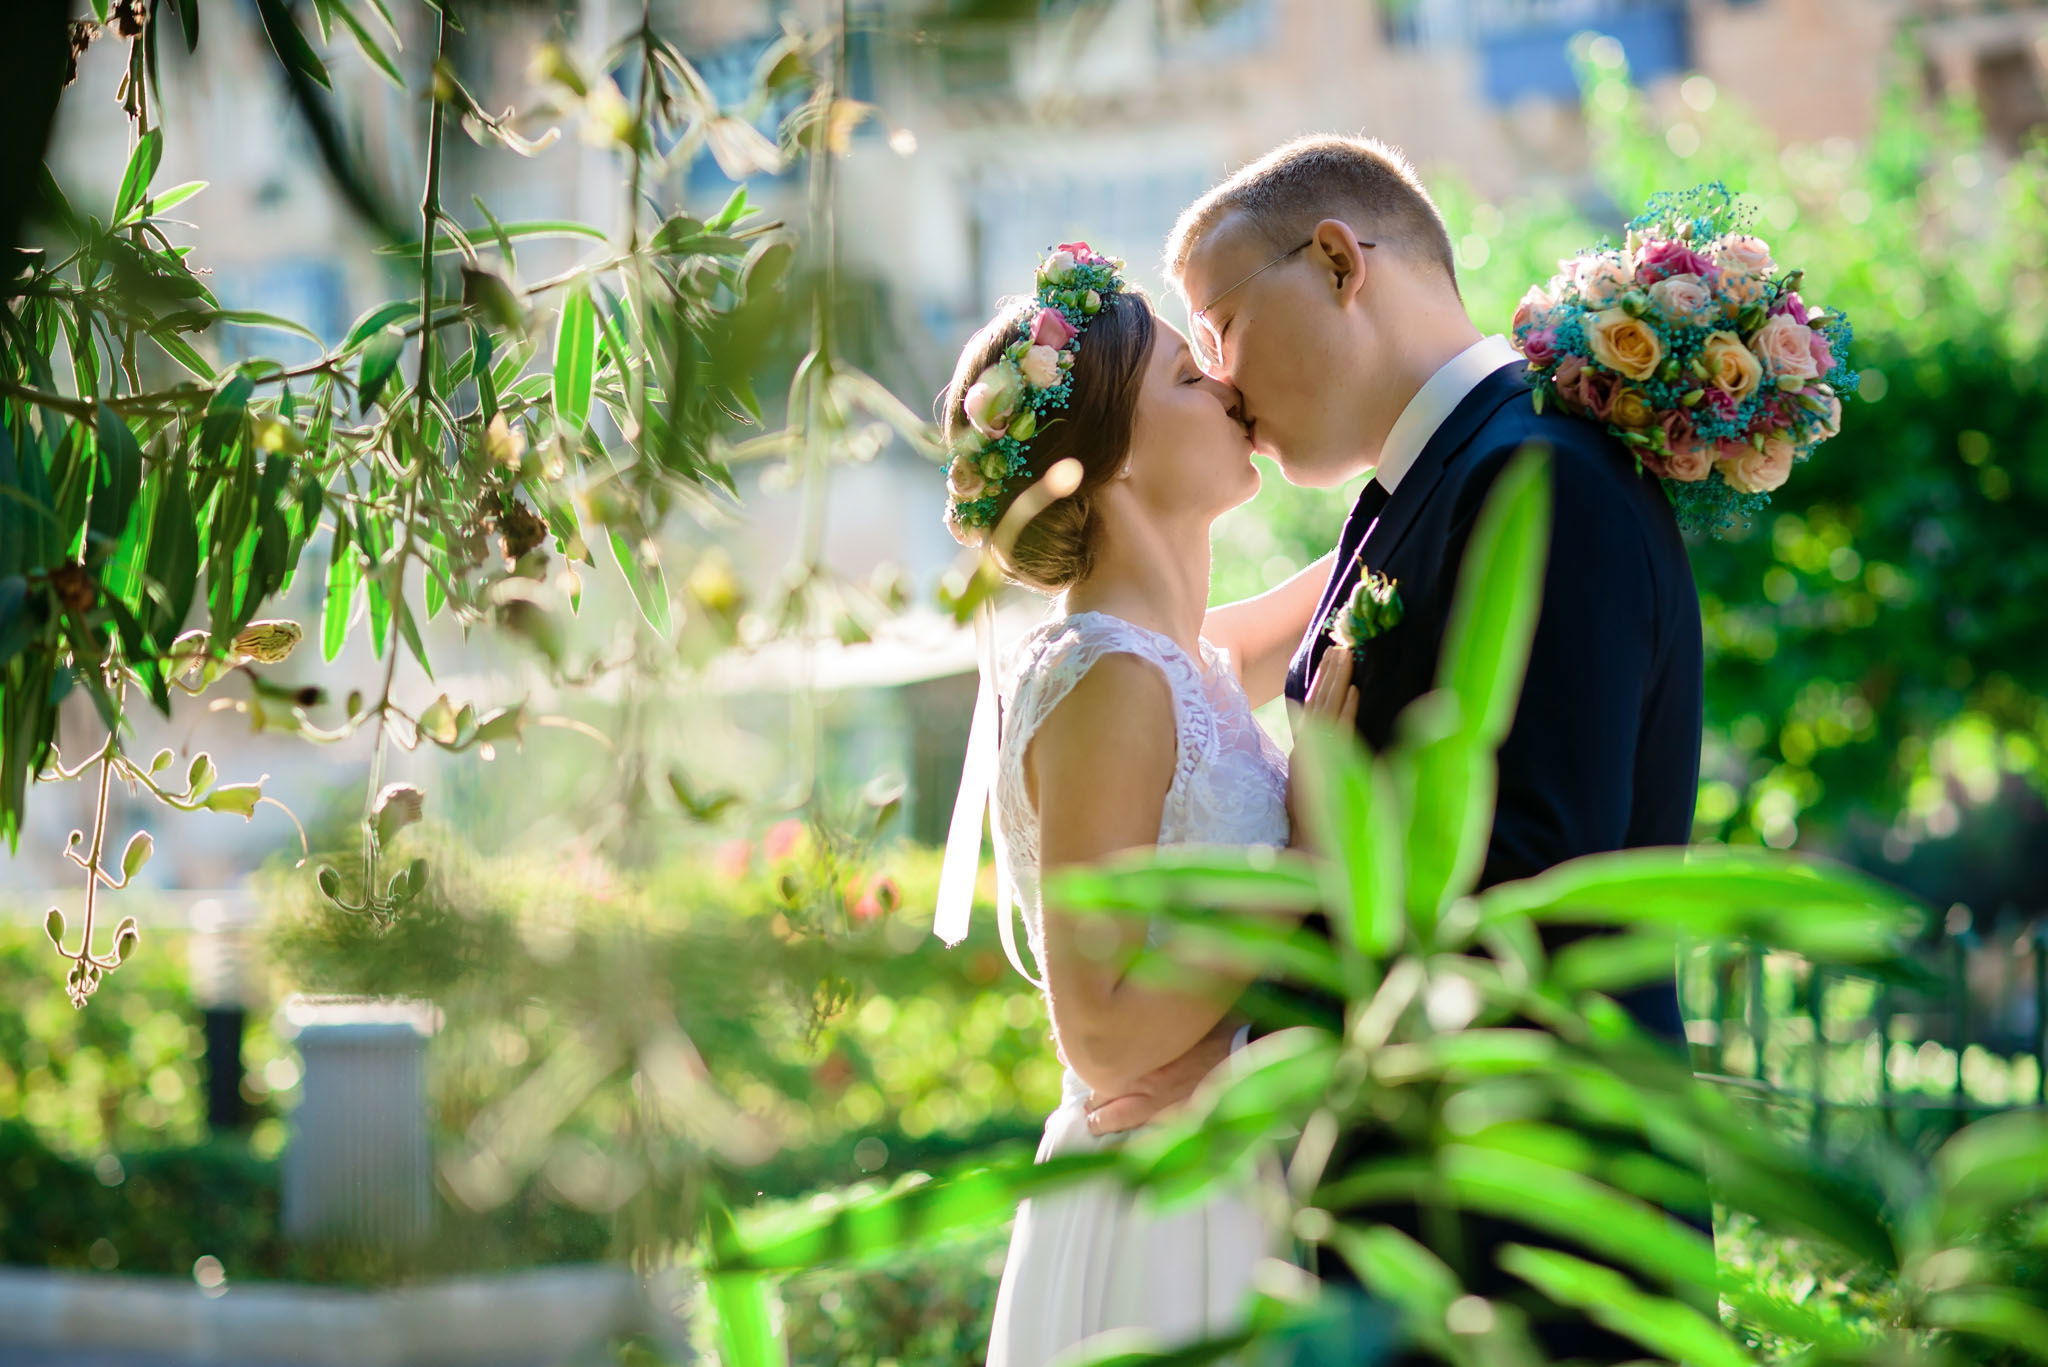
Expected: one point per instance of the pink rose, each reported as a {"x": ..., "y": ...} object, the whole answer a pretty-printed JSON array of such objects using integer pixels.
[
  {"x": 1823, "y": 354},
  {"x": 1041, "y": 367},
  {"x": 1535, "y": 305},
  {"x": 1081, "y": 250},
  {"x": 1757, "y": 469},
  {"x": 1688, "y": 461},
  {"x": 1745, "y": 254},
  {"x": 1540, "y": 346},
  {"x": 1791, "y": 305},
  {"x": 1827, "y": 407},
  {"x": 1786, "y": 347},
  {"x": 1681, "y": 298},
  {"x": 1051, "y": 328},
  {"x": 992, "y": 400},
  {"x": 1662, "y": 259},
  {"x": 1602, "y": 279}
]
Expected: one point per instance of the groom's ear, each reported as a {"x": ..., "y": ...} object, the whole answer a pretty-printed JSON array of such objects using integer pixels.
[{"x": 1335, "y": 249}]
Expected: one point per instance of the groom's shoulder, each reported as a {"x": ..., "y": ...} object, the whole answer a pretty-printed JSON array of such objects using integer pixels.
[{"x": 1591, "y": 470}]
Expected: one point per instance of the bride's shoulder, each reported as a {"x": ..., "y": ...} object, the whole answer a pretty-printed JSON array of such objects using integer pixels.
[{"x": 1054, "y": 656}]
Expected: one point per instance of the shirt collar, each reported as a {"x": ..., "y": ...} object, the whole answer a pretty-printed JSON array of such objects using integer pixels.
[{"x": 1436, "y": 401}]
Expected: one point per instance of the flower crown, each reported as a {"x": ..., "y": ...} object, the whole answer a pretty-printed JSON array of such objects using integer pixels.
[{"x": 1013, "y": 400}]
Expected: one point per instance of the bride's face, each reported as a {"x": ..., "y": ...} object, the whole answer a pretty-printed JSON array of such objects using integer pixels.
[{"x": 1189, "y": 450}]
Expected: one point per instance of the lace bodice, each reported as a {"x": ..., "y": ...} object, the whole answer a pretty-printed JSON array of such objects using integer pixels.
[{"x": 1229, "y": 782}]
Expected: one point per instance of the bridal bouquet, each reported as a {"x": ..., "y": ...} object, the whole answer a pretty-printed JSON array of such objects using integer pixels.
[{"x": 1695, "y": 347}]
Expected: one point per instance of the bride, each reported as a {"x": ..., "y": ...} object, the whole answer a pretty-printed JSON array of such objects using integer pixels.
[{"x": 1128, "y": 724}]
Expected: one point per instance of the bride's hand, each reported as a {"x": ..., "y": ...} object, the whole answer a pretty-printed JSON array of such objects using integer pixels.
[{"x": 1333, "y": 697}]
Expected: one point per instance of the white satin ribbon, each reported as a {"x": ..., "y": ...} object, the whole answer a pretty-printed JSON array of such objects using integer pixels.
[{"x": 961, "y": 868}]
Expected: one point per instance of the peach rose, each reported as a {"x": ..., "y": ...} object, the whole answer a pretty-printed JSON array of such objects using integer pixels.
[
  {"x": 1602, "y": 279},
  {"x": 1687, "y": 459},
  {"x": 1757, "y": 469},
  {"x": 1786, "y": 347},
  {"x": 1630, "y": 408},
  {"x": 1682, "y": 298},
  {"x": 1534, "y": 306},
  {"x": 1624, "y": 344},
  {"x": 1730, "y": 366},
  {"x": 1823, "y": 401},
  {"x": 964, "y": 479},
  {"x": 1041, "y": 367}
]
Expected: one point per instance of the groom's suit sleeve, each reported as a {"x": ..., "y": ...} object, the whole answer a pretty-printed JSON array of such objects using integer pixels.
[{"x": 1568, "y": 766}]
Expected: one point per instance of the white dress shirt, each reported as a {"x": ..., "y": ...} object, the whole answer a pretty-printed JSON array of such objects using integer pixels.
[{"x": 1438, "y": 398}]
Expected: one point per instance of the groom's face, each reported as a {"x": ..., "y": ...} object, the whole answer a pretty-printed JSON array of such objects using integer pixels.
[{"x": 1280, "y": 335}]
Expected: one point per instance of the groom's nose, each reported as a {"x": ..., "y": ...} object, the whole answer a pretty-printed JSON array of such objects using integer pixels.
[{"x": 1232, "y": 401}]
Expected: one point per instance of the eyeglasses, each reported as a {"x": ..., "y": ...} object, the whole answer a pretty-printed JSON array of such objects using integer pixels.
[{"x": 1206, "y": 339}]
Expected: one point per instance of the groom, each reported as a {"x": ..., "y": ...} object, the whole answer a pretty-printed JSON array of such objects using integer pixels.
[{"x": 1321, "y": 284}]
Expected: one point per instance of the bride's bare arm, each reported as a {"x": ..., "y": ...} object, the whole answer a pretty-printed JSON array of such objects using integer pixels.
[
  {"x": 1099, "y": 767},
  {"x": 1261, "y": 633}
]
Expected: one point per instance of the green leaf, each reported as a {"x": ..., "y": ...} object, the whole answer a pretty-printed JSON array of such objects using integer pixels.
[
  {"x": 156, "y": 204},
  {"x": 1178, "y": 878},
  {"x": 1500, "y": 591},
  {"x": 237, "y": 798},
  {"x": 1447, "y": 780},
  {"x": 372, "y": 49},
  {"x": 447, "y": 242},
  {"x": 188, "y": 19},
  {"x": 259, "y": 319},
  {"x": 649, "y": 586},
  {"x": 142, "y": 164},
  {"x": 1354, "y": 819},
  {"x": 1793, "y": 902},
  {"x": 380, "y": 363},
  {"x": 576, "y": 360},
  {"x": 290, "y": 45},
  {"x": 1672, "y": 1329},
  {"x": 376, "y": 320},
  {"x": 119, "y": 476},
  {"x": 179, "y": 350},
  {"x": 1391, "y": 1264}
]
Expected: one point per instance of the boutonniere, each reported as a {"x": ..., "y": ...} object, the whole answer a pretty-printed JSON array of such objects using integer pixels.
[{"x": 1374, "y": 607}]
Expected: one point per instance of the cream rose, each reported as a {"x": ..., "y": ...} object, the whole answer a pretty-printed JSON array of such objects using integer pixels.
[
  {"x": 1602, "y": 279},
  {"x": 1757, "y": 470},
  {"x": 1681, "y": 298},
  {"x": 1630, "y": 409},
  {"x": 1624, "y": 344},
  {"x": 1787, "y": 348},
  {"x": 1058, "y": 267},
  {"x": 1743, "y": 255},
  {"x": 992, "y": 400},
  {"x": 1731, "y": 368},
  {"x": 964, "y": 479},
  {"x": 1041, "y": 367}
]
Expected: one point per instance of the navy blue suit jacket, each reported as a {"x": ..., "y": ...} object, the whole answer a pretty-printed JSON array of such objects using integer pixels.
[{"x": 1603, "y": 753}]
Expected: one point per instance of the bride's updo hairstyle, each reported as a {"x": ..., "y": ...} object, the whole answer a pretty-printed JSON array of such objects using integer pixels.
[{"x": 1041, "y": 383}]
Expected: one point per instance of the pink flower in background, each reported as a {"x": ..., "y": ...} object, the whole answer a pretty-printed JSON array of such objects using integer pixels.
[
  {"x": 1051, "y": 328},
  {"x": 730, "y": 860},
  {"x": 1663, "y": 259},
  {"x": 880, "y": 897},
  {"x": 781, "y": 840}
]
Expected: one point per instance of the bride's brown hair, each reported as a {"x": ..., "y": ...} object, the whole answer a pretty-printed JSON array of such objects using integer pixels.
[{"x": 1056, "y": 548}]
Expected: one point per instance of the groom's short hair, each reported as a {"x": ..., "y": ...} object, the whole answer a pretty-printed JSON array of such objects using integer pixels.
[{"x": 1368, "y": 183}]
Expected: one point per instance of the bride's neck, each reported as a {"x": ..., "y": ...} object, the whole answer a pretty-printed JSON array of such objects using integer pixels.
[{"x": 1152, "y": 575}]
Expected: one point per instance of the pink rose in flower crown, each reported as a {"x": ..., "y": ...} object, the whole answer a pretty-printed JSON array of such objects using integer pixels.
[
  {"x": 1786, "y": 347},
  {"x": 1602, "y": 279},
  {"x": 1662, "y": 259},
  {"x": 1051, "y": 328},
  {"x": 1751, "y": 469},
  {"x": 992, "y": 400},
  {"x": 1682, "y": 298},
  {"x": 1041, "y": 367}
]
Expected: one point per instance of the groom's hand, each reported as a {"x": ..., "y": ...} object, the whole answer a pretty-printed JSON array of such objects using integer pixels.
[{"x": 1164, "y": 1088}]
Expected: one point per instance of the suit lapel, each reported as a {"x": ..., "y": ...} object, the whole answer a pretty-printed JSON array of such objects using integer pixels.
[{"x": 1472, "y": 412}]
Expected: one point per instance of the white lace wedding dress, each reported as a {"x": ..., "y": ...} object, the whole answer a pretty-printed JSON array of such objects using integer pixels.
[{"x": 1092, "y": 1257}]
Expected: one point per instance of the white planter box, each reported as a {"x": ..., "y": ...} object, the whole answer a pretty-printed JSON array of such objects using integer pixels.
[{"x": 532, "y": 1318}]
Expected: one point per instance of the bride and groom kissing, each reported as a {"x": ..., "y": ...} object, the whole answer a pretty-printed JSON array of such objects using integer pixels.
[{"x": 1093, "y": 446}]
